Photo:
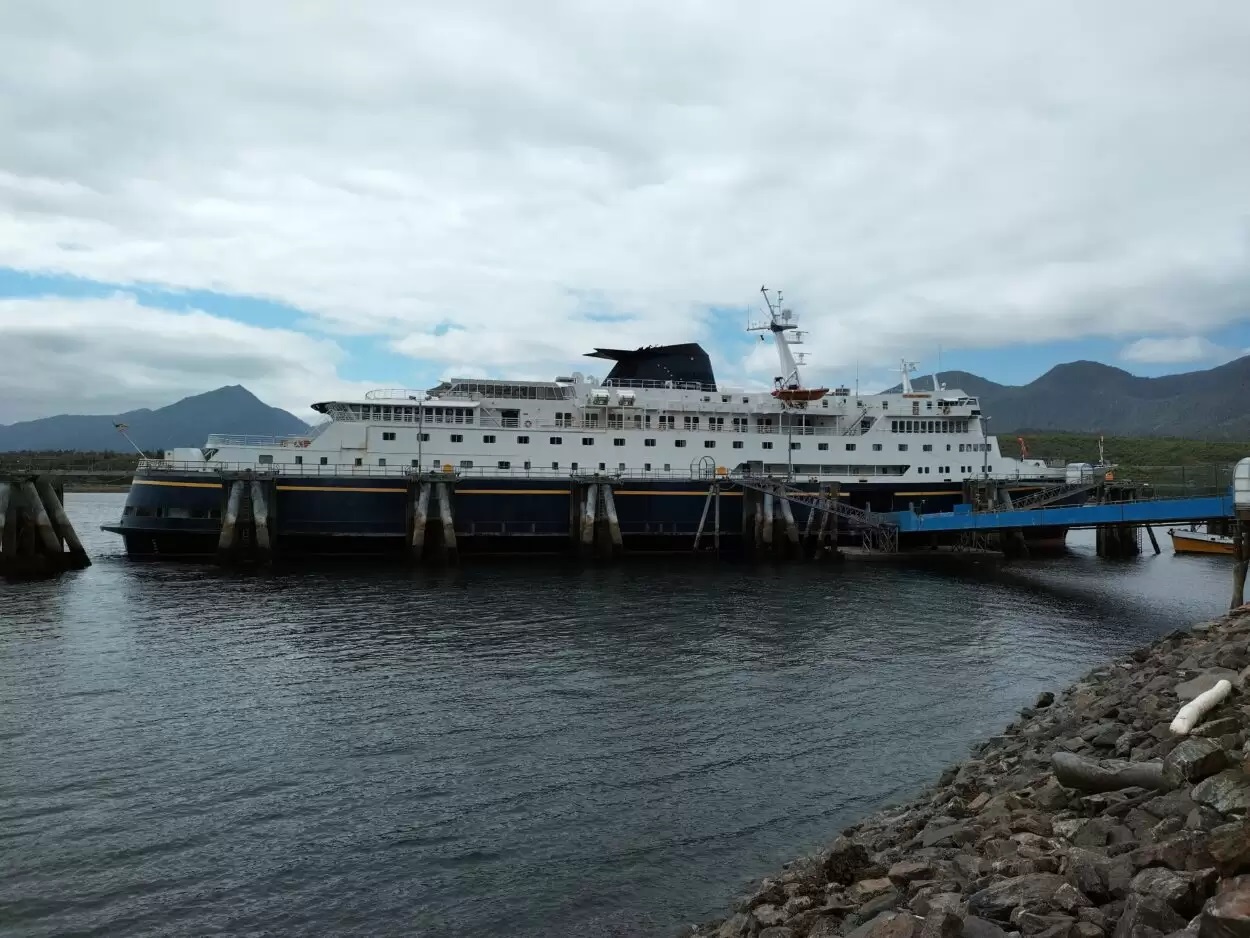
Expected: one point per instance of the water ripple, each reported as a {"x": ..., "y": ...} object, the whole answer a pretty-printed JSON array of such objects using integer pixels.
[{"x": 527, "y": 750}]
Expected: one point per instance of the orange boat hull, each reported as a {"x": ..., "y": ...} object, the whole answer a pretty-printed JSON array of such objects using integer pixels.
[{"x": 1193, "y": 542}]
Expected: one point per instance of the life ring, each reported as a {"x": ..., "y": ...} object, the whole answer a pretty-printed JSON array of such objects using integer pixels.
[{"x": 528, "y": 424}]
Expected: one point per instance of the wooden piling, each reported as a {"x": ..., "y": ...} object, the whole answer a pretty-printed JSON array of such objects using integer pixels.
[
  {"x": 586, "y": 539},
  {"x": 1154, "y": 541},
  {"x": 707, "y": 507},
  {"x": 791, "y": 530},
  {"x": 1241, "y": 549},
  {"x": 8, "y": 522},
  {"x": 614, "y": 541},
  {"x": 227, "y": 541},
  {"x": 451, "y": 552},
  {"x": 43, "y": 524},
  {"x": 261, "y": 521},
  {"x": 716, "y": 519},
  {"x": 420, "y": 520},
  {"x": 65, "y": 530}
]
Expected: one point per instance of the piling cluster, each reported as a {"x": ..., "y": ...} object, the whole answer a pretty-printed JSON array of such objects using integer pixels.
[
  {"x": 36, "y": 537},
  {"x": 1096, "y": 814}
]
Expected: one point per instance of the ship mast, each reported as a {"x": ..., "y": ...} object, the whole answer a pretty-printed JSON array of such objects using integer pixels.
[{"x": 780, "y": 322}]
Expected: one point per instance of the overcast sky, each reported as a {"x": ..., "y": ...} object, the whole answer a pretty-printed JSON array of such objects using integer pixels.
[{"x": 311, "y": 198}]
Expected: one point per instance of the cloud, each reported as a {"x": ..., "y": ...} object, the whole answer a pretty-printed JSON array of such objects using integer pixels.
[
  {"x": 911, "y": 174},
  {"x": 1176, "y": 350},
  {"x": 110, "y": 355}
]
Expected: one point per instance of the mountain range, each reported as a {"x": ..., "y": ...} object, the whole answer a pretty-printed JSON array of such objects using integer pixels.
[
  {"x": 188, "y": 422},
  {"x": 1077, "y": 397},
  {"x": 1090, "y": 397}
]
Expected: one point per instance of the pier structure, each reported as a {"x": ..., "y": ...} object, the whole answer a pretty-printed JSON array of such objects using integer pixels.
[{"x": 36, "y": 536}]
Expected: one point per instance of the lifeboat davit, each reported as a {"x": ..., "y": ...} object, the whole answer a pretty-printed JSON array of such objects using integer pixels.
[{"x": 799, "y": 395}]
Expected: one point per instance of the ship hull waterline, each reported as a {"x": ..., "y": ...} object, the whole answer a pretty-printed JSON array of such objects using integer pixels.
[{"x": 177, "y": 516}]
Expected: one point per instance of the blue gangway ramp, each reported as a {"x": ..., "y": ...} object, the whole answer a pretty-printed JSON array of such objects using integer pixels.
[{"x": 1146, "y": 511}]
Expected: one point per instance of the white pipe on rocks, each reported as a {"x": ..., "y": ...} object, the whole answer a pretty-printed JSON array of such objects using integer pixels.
[{"x": 1192, "y": 712}]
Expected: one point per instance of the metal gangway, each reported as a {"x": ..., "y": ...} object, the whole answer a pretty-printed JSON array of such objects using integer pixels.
[
  {"x": 878, "y": 533},
  {"x": 1050, "y": 494}
]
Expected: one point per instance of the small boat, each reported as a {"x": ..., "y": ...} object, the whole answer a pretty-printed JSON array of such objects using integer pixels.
[{"x": 1200, "y": 542}]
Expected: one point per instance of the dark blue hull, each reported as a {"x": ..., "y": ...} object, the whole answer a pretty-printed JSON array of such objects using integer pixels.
[{"x": 178, "y": 515}]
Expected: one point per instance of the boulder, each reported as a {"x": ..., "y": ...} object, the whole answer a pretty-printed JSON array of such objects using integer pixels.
[
  {"x": 1100, "y": 775},
  {"x": 1184, "y": 892},
  {"x": 980, "y": 928},
  {"x": 1229, "y": 845},
  {"x": 777, "y": 931},
  {"x": 889, "y": 925},
  {"x": 1204, "y": 682},
  {"x": 1144, "y": 916},
  {"x": 1227, "y": 915},
  {"x": 1228, "y": 792},
  {"x": 844, "y": 860},
  {"x": 867, "y": 889},
  {"x": 942, "y": 923},
  {"x": 1192, "y": 760},
  {"x": 742, "y": 925},
  {"x": 905, "y": 871},
  {"x": 1033, "y": 892},
  {"x": 1044, "y": 699}
]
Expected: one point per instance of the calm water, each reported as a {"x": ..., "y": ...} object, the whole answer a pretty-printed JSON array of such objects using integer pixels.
[{"x": 504, "y": 750}]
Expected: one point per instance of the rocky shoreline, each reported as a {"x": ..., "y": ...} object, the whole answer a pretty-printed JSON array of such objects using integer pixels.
[{"x": 1089, "y": 817}]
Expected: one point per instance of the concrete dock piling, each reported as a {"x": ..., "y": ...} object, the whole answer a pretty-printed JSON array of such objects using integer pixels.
[
  {"x": 432, "y": 519},
  {"x": 36, "y": 536},
  {"x": 594, "y": 525}
]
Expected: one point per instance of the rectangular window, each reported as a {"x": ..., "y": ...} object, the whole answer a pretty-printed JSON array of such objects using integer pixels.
[
  {"x": 646, "y": 467},
  {"x": 648, "y": 442},
  {"x": 796, "y": 446},
  {"x": 737, "y": 444},
  {"x": 822, "y": 446},
  {"x": 572, "y": 467},
  {"x": 850, "y": 447},
  {"x": 359, "y": 461},
  {"x": 325, "y": 460},
  {"x": 488, "y": 438},
  {"x": 425, "y": 437},
  {"x": 389, "y": 435},
  {"x": 264, "y": 460},
  {"x": 299, "y": 460},
  {"x": 504, "y": 464},
  {"x": 767, "y": 444},
  {"x": 555, "y": 465},
  {"x": 466, "y": 464},
  {"x": 709, "y": 444},
  {"x": 415, "y": 464},
  {"x": 522, "y": 439},
  {"x": 588, "y": 441},
  {"x": 928, "y": 447},
  {"x": 603, "y": 466},
  {"x": 556, "y": 440},
  {"x": 381, "y": 462},
  {"x": 876, "y": 447},
  {"x": 618, "y": 441},
  {"x": 902, "y": 447},
  {"x": 679, "y": 443},
  {"x": 457, "y": 437}
]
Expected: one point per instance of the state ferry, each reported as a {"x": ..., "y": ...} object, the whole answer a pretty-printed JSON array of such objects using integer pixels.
[{"x": 659, "y": 423}]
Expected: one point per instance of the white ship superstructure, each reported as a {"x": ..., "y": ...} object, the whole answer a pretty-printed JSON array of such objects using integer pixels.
[{"x": 659, "y": 412}]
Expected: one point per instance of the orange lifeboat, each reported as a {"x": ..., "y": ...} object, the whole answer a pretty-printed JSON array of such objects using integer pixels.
[{"x": 799, "y": 395}]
